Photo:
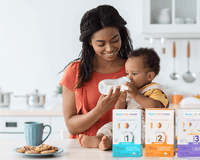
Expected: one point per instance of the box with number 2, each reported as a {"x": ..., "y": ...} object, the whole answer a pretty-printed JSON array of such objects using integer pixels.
[{"x": 159, "y": 133}]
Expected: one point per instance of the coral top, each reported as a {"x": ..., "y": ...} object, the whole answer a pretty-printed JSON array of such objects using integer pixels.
[{"x": 86, "y": 96}]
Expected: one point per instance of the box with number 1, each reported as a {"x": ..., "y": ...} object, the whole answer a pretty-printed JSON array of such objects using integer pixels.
[{"x": 127, "y": 131}]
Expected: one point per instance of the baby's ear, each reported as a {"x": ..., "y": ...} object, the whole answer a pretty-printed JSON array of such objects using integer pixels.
[{"x": 151, "y": 75}]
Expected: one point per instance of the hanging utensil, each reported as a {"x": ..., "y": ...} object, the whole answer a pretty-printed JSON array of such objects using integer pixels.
[
  {"x": 163, "y": 41},
  {"x": 188, "y": 76},
  {"x": 174, "y": 75}
]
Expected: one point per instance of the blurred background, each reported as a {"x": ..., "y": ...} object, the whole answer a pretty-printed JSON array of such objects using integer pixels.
[{"x": 38, "y": 38}]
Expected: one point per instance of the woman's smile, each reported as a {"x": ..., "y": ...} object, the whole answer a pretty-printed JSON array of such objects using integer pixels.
[{"x": 110, "y": 54}]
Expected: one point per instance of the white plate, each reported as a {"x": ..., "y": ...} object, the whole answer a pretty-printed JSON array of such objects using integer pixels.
[{"x": 58, "y": 151}]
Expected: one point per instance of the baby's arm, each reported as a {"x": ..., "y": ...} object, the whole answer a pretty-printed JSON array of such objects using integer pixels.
[
  {"x": 121, "y": 103},
  {"x": 147, "y": 102},
  {"x": 144, "y": 101}
]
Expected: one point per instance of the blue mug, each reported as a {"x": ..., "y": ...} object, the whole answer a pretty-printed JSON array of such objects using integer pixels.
[{"x": 33, "y": 132}]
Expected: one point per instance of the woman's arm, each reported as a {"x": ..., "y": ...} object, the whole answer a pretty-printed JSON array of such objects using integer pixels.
[{"x": 78, "y": 123}]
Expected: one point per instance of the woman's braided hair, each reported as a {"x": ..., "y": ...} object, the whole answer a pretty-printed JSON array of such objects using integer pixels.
[{"x": 91, "y": 22}]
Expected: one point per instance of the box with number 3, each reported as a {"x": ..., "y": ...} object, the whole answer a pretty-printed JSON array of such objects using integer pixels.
[
  {"x": 127, "y": 131},
  {"x": 188, "y": 133},
  {"x": 159, "y": 133}
]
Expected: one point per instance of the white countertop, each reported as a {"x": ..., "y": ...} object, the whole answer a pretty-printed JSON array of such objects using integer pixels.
[{"x": 72, "y": 150}]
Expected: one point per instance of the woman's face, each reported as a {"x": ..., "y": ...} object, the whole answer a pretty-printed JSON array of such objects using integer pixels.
[{"x": 106, "y": 43}]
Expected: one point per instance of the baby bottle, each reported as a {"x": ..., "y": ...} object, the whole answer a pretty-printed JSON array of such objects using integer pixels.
[{"x": 105, "y": 85}]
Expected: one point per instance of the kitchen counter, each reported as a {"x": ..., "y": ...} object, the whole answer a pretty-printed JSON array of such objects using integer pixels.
[
  {"x": 72, "y": 150},
  {"x": 49, "y": 109}
]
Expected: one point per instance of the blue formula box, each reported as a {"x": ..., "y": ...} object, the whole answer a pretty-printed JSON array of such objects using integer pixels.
[{"x": 127, "y": 133}]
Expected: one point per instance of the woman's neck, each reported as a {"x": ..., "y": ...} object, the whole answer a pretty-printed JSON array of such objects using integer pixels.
[{"x": 106, "y": 67}]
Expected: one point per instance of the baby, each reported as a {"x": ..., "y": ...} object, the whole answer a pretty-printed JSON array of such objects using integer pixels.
[{"x": 142, "y": 66}]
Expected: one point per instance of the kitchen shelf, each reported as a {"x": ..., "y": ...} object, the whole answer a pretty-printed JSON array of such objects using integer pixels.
[
  {"x": 170, "y": 16},
  {"x": 196, "y": 38}
]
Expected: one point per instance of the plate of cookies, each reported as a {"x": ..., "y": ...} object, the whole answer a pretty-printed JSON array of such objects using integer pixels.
[{"x": 41, "y": 150}]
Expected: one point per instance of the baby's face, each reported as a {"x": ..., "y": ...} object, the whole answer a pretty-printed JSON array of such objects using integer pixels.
[{"x": 136, "y": 72}]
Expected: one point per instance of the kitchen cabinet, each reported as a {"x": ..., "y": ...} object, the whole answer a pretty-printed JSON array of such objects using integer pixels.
[
  {"x": 170, "y": 16},
  {"x": 58, "y": 124},
  {"x": 13, "y": 126}
]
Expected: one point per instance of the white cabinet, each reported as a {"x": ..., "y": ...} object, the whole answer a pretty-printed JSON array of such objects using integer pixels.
[
  {"x": 170, "y": 16},
  {"x": 58, "y": 124}
]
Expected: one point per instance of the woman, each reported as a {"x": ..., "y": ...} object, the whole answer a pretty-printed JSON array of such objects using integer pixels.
[{"x": 105, "y": 47}]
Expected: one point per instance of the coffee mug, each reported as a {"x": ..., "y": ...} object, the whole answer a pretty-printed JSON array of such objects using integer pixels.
[{"x": 33, "y": 132}]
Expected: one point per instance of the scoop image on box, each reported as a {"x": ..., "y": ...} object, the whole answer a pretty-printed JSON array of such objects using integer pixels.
[
  {"x": 188, "y": 133},
  {"x": 127, "y": 131}
]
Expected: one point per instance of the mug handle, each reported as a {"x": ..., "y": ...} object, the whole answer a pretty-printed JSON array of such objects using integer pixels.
[{"x": 48, "y": 133}]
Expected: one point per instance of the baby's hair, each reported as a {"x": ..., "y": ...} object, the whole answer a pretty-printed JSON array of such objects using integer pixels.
[{"x": 151, "y": 59}]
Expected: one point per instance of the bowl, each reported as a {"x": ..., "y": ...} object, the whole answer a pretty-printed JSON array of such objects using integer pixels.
[
  {"x": 179, "y": 20},
  {"x": 189, "y": 20}
]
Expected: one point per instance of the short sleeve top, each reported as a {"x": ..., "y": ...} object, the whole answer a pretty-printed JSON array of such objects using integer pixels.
[{"x": 86, "y": 96}]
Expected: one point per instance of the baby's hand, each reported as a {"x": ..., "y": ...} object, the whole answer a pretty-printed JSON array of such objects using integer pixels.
[{"x": 133, "y": 92}]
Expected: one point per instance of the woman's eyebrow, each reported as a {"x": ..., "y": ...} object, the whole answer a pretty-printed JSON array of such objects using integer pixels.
[
  {"x": 115, "y": 36},
  {"x": 103, "y": 40}
]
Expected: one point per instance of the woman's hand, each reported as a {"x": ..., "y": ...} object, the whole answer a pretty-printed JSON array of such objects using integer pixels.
[
  {"x": 105, "y": 102},
  {"x": 133, "y": 91}
]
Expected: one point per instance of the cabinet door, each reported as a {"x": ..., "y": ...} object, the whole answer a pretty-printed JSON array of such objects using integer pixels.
[
  {"x": 58, "y": 124},
  {"x": 170, "y": 16}
]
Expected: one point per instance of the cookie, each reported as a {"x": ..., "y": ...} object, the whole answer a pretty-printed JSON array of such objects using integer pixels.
[
  {"x": 48, "y": 151},
  {"x": 32, "y": 152},
  {"x": 54, "y": 148},
  {"x": 21, "y": 150},
  {"x": 29, "y": 148},
  {"x": 43, "y": 147}
]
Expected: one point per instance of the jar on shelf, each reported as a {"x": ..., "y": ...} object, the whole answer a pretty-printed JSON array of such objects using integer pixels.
[{"x": 176, "y": 98}]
